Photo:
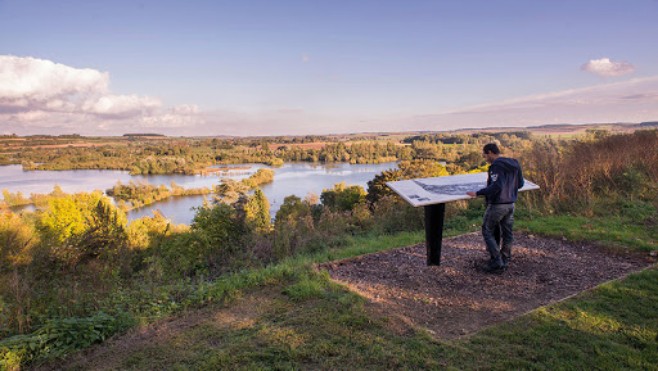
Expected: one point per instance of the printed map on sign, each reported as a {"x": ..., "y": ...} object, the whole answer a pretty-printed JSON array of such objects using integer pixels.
[{"x": 428, "y": 191}]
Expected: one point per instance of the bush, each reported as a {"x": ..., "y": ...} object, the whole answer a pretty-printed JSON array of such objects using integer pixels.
[
  {"x": 343, "y": 198},
  {"x": 60, "y": 336},
  {"x": 378, "y": 189},
  {"x": 393, "y": 215},
  {"x": 587, "y": 172},
  {"x": 82, "y": 227},
  {"x": 293, "y": 226}
]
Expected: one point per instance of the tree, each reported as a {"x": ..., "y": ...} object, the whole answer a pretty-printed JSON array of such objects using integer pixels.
[
  {"x": 220, "y": 227},
  {"x": 293, "y": 226},
  {"x": 105, "y": 232},
  {"x": 229, "y": 191},
  {"x": 82, "y": 226},
  {"x": 342, "y": 198},
  {"x": 255, "y": 211},
  {"x": 377, "y": 187}
]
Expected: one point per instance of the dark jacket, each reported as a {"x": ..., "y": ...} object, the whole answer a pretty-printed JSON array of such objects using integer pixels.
[{"x": 504, "y": 181}]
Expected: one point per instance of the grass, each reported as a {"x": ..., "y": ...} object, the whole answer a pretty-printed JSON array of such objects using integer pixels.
[
  {"x": 614, "y": 231},
  {"x": 612, "y": 327},
  {"x": 307, "y": 321},
  {"x": 314, "y": 323}
]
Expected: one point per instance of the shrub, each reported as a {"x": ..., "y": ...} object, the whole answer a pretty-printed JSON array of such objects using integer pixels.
[
  {"x": 294, "y": 226},
  {"x": 378, "y": 189},
  {"x": 393, "y": 215},
  {"x": 81, "y": 227},
  {"x": 58, "y": 337},
  {"x": 610, "y": 167},
  {"x": 343, "y": 198}
]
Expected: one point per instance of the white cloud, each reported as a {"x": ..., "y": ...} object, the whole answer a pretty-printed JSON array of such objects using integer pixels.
[
  {"x": 31, "y": 85},
  {"x": 635, "y": 100},
  {"x": 38, "y": 93},
  {"x": 42, "y": 97},
  {"x": 186, "y": 109},
  {"x": 183, "y": 116},
  {"x": 41, "y": 80},
  {"x": 121, "y": 105},
  {"x": 606, "y": 67}
]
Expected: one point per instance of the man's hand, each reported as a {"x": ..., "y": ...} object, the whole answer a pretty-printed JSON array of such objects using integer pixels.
[{"x": 472, "y": 194}]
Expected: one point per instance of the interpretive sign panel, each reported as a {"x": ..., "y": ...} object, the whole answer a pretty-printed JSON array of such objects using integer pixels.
[
  {"x": 439, "y": 190},
  {"x": 433, "y": 194}
]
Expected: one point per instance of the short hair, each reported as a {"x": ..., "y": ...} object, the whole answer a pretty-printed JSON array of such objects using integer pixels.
[{"x": 491, "y": 148}]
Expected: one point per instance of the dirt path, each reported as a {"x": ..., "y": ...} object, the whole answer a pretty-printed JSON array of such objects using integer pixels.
[{"x": 456, "y": 298}]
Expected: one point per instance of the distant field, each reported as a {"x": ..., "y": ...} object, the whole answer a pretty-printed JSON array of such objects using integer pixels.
[{"x": 80, "y": 145}]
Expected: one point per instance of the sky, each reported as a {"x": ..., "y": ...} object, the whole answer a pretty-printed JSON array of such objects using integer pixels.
[{"x": 288, "y": 67}]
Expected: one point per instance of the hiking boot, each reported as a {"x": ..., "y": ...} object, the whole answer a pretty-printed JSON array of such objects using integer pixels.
[{"x": 495, "y": 266}]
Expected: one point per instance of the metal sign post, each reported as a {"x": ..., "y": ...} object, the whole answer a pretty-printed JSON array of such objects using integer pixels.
[{"x": 434, "y": 215}]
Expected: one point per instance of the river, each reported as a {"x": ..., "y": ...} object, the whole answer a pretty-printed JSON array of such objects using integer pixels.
[{"x": 297, "y": 179}]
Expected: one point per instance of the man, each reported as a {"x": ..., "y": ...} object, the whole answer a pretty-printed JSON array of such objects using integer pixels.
[{"x": 504, "y": 180}]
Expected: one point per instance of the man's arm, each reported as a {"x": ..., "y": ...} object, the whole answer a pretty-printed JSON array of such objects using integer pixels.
[
  {"x": 521, "y": 181},
  {"x": 496, "y": 175}
]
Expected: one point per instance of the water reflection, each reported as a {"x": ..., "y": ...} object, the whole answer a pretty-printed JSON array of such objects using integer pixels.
[{"x": 297, "y": 179}]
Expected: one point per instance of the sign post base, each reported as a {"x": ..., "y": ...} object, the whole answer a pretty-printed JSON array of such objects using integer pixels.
[{"x": 434, "y": 215}]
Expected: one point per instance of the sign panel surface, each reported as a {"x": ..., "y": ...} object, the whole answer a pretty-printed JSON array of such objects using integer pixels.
[{"x": 429, "y": 191}]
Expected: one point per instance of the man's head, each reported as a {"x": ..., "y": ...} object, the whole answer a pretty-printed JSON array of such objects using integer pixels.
[{"x": 490, "y": 152}]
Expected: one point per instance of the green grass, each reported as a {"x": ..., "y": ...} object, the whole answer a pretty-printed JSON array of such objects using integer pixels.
[
  {"x": 615, "y": 231},
  {"x": 311, "y": 322},
  {"x": 314, "y": 323},
  {"x": 612, "y": 327}
]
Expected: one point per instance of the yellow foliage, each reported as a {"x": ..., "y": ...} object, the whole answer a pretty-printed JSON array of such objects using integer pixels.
[{"x": 16, "y": 240}]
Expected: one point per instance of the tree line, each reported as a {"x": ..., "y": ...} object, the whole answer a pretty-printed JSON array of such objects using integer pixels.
[{"x": 148, "y": 155}]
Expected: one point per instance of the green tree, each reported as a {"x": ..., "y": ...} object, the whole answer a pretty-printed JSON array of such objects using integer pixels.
[
  {"x": 229, "y": 191},
  {"x": 254, "y": 211},
  {"x": 105, "y": 232},
  {"x": 293, "y": 227},
  {"x": 82, "y": 226},
  {"x": 65, "y": 217},
  {"x": 220, "y": 234},
  {"x": 377, "y": 187},
  {"x": 343, "y": 198}
]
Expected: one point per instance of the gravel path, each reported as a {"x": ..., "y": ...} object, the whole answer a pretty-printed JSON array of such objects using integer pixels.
[{"x": 457, "y": 298}]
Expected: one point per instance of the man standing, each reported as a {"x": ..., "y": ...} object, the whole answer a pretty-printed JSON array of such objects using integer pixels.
[{"x": 504, "y": 180}]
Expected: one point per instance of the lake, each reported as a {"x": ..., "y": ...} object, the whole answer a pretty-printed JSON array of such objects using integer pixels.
[{"x": 297, "y": 179}]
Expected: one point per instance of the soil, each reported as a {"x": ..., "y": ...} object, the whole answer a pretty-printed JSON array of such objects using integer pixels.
[{"x": 458, "y": 298}]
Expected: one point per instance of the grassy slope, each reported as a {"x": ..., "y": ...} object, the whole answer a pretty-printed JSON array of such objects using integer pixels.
[
  {"x": 316, "y": 323},
  {"x": 307, "y": 321}
]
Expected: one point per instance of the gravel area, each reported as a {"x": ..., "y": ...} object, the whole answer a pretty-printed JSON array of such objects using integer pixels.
[{"x": 457, "y": 298}]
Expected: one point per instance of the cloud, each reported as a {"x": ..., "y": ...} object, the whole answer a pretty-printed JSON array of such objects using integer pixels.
[
  {"x": 121, "y": 105},
  {"x": 635, "y": 100},
  {"x": 37, "y": 85},
  {"x": 183, "y": 116},
  {"x": 606, "y": 67},
  {"x": 42, "y": 97},
  {"x": 30, "y": 79},
  {"x": 37, "y": 94}
]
